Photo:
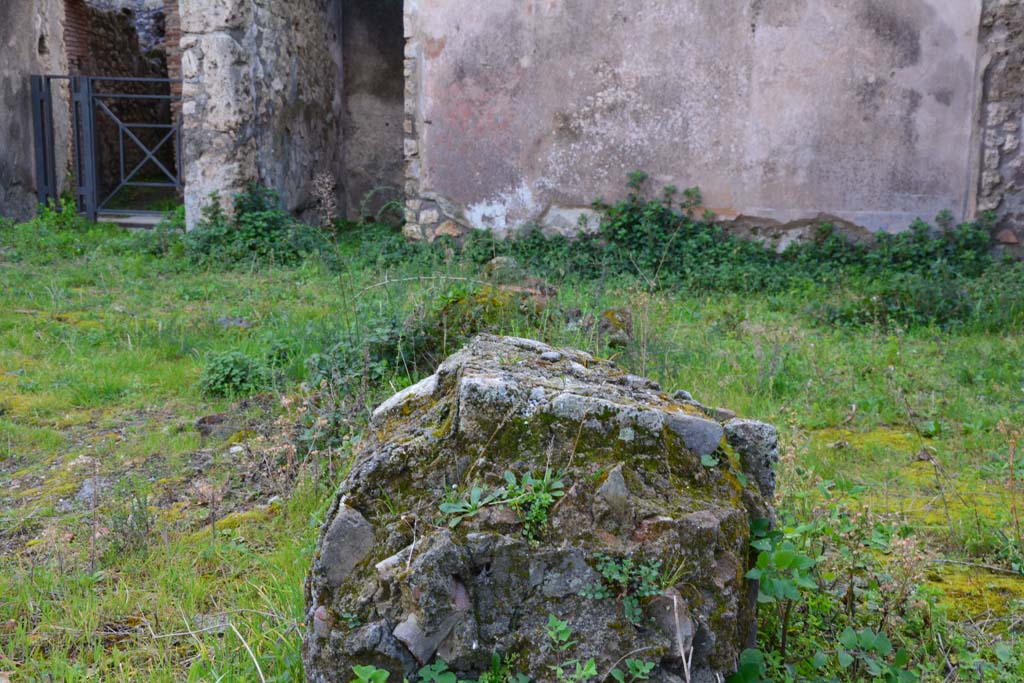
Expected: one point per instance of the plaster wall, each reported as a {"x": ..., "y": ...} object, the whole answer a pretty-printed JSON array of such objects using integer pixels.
[
  {"x": 528, "y": 110},
  {"x": 31, "y": 42}
]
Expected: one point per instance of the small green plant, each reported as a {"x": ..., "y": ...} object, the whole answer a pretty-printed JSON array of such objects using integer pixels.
[
  {"x": 784, "y": 573},
  {"x": 636, "y": 670},
  {"x": 437, "y": 673},
  {"x": 575, "y": 671},
  {"x": 503, "y": 670},
  {"x": 131, "y": 520},
  {"x": 369, "y": 674},
  {"x": 462, "y": 509},
  {"x": 750, "y": 669},
  {"x": 232, "y": 374},
  {"x": 60, "y": 216},
  {"x": 259, "y": 231},
  {"x": 530, "y": 497},
  {"x": 165, "y": 239},
  {"x": 866, "y": 652},
  {"x": 627, "y": 580},
  {"x": 572, "y": 670},
  {"x": 559, "y": 633}
]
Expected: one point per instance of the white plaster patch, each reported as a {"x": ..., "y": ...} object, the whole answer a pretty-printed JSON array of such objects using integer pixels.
[
  {"x": 571, "y": 221},
  {"x": 500, "y": 213}
]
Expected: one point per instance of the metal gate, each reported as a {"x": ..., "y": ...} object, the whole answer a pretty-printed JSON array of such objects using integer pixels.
[{"x": 111, "y": 150}]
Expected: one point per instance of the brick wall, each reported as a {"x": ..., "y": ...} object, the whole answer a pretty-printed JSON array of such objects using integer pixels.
[
  {"x": 172, "y": 22},
  {"x": 76, "y": 35}
]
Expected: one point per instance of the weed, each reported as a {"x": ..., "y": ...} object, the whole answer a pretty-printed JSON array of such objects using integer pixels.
[
  {"x": 783, "y": 574},
  {"x": 636, "y": 670},
  {"x": 572, "y": 670},
  {"x": 865, "y": 653},
  {"x": 627, "y": 580},
  {"x": 258, "y": 232},
  {"x": 369, "y": 674},
  {"x": 919, "y": 277},
  {"x": 131, "y": 520},
  {"x": 531, "y": 498},
  {"x": 437, "y": 673},
  {"x": 165, "y": 240},
  {"x": 61, "y": 216},
  {"x": 459, "y": 510},
  {"x": 559, "y": 633},
  {"x": 232, "y": 374},
  {"x": 502, "y": 671}
]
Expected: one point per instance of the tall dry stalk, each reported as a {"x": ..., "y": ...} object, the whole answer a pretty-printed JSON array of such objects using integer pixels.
[{"x": 1013, "y": 437}]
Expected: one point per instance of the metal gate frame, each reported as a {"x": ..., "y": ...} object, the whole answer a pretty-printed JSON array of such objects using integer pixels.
[{"x": 86, "y": 102}]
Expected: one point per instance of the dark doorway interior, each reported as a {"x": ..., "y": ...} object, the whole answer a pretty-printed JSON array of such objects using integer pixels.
[{"x": 373, "y": 51}]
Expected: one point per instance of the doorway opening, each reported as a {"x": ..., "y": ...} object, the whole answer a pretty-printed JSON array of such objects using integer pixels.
[
  {"x": 129, "y": 157},
  {"x": 373, "y": 59}
]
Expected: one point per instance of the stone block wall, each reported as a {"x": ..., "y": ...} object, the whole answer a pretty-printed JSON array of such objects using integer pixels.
[
  {"x": 865, "y": 113},
  {"x": 263, "y": 98},
  {"x": 1001, "y": 187}
]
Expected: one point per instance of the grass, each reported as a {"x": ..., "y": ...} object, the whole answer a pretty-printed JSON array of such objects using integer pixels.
[{"x": 102, "y": 347}]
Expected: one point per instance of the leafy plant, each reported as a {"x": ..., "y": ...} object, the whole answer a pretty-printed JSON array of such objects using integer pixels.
[
  {"x": 232, "y": 374},
  {"x": 575, "y": 671},
  {"x": 636, "y": 670},
  {"x": 530, "y": 497},
  {"x": 866, "y": 651},
  {"x": 501, "y": 671},
  {"x": 922, "y": 276},
  {"x": 437, "y": 673},
  {"x": 571, "y": 670},
  {"x": 559, "y": 633},
  {"x": 164, "y": 240},
  {"x": 751, "y": 668},
  {"x": 783, "y": 572},
  {"x": 61, "y": 216},
  {"x": 465, "y": 508},
  {"x": 369, "y": 674},
  {"x": 626, "y": 580},
  {"x": 258, "y": 231}
]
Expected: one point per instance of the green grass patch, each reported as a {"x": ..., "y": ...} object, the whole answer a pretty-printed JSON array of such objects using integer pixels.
[{"x": 888, "y": 406}]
